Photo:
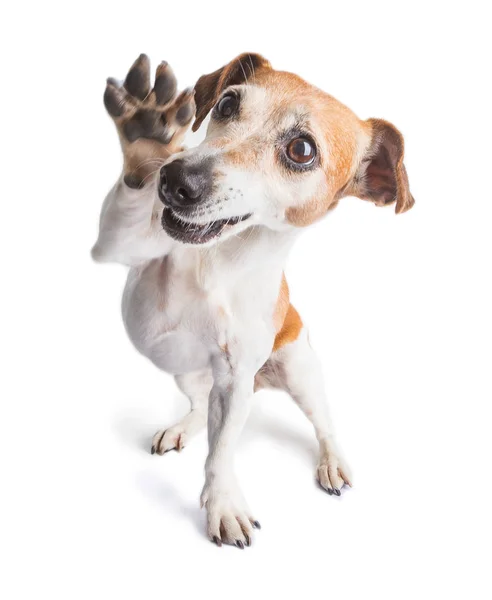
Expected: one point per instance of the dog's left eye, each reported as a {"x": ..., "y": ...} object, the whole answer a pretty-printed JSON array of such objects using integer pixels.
[
  {"x": 301, "y": 151},
  {"x": 227, "y": 106}
]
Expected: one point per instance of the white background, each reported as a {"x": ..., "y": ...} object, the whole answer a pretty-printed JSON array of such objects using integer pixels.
[{"x": 399, "y": 308}]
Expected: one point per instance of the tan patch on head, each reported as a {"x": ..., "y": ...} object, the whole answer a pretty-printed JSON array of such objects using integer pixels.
[
  {"x": 218, "y": 143},
  {"x": 286, "y": 319},
  {"x": 337, "y": 131},
  {"x": 243, "y": 68},
  {"x": 245, "y": 155},
  {"x": 310, "y": 211}
]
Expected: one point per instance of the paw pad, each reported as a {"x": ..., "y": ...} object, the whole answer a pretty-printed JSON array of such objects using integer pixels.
[
  {"x": 165, "y": 85},
  {"x": 137, "y": 82},
  {"x": 143, "y": 113}
]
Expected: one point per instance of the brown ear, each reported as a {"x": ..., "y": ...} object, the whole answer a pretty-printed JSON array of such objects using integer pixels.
[
  {"x": 381, "y": 176},
  {"x": 209, "y": 87}
]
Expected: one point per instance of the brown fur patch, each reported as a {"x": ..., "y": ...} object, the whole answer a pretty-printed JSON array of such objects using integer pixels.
[
  {"x": 290, "y": 329},
  {"x": 208, "y": 88},
  {"x": 282, "y": 305},
  {"x": 311, "y": 211},
  {"x": 244, "y": 155},
  {"x": 347, "y": 146},
  {"x": 286, "y": 319},
  {"x": 341, "y": 130},
  {"x": 381, "y": 176}
]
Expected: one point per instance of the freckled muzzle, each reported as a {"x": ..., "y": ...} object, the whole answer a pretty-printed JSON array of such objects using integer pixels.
[{"x": 182, "y": 188}]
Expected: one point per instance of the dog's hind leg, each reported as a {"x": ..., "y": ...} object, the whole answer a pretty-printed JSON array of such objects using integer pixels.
[
  {"x": 295, "y": 368},
  {"x": 196, "y": 386}
]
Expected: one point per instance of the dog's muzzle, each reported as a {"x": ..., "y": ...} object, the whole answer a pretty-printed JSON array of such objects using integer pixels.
[{"x": 182, "y": 187}]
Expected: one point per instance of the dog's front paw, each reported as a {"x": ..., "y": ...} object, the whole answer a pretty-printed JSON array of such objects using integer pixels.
[
  {"x": 332, "y": 474},
  {"x": 151, "y": 123},
  {"x": 165, "y": 440},
  {"x": 229, "y": 519}
]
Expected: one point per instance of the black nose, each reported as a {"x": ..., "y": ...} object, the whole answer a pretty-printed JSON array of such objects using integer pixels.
[{"x": 182, "y": 185}]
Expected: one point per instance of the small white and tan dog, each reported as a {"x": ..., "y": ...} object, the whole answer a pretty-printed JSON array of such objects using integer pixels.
[{"x": 206, "y": 233}]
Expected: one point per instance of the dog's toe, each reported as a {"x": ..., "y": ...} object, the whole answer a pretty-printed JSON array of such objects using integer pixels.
[
  {"x": 137, "y": 82},
  {"x": 185, "y": 107},
  {"x": 330, "y": 475},
  {"x": 166, "y": 440},
  {"x": 165, "y": 85},
  {"x": 227, "y": 519}
]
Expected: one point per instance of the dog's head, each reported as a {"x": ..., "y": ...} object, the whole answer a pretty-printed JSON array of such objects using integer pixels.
[{"x": 278, "y": 152}]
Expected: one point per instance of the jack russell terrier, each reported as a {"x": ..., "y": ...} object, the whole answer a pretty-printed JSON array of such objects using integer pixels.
[{"x": 206, "y": 233}]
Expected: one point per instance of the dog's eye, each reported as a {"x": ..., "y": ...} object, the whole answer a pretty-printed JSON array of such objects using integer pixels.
[
  {"x": 227, "y": 106},
  {"x": 301, "y": 151}
]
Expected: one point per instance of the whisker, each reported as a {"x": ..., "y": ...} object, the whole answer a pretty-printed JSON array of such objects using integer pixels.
[
  {"x": 244, "y": 72},
  {"x": 252, "y": 69}
]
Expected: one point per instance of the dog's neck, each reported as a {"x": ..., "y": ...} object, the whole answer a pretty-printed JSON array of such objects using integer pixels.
[{"x": 256, "y": 252}]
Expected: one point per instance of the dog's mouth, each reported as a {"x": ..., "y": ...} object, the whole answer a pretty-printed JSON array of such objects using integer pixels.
[{"x": 196, "y": 233}]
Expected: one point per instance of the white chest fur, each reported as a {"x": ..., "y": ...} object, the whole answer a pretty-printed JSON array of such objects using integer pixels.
[{"x": 182, "y": 308}]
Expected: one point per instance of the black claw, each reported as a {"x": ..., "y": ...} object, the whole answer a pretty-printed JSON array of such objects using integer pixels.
[
  {"x": 137, "y": 81},
  {"x": 256, "y": 524},
  {"x": 152, "y": 451},
  {"x": 330, "y": 491},
  {"x": 239, "y": 544},
  {"x": 248, "y": 539},
  {"x": 165, "y": 85},
  {"x": 217, "y": 541},
  {"x": 337, "y": 492}
]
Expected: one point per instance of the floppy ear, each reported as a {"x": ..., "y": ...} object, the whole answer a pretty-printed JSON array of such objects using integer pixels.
[
  {"x": 381, "y": 176},
  {"x": 209, "y": 87}
]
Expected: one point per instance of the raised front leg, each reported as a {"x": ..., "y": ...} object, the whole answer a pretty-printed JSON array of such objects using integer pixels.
[
  {"x": 151, "y": 124},
  {"x": 229, "y": 518}
]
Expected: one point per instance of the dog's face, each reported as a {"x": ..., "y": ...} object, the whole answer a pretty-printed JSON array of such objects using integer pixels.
[{"x": 278, "y": 152}]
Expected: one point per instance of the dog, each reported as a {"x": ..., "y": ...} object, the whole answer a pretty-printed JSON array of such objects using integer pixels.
[{"x": 206, "y": 233}]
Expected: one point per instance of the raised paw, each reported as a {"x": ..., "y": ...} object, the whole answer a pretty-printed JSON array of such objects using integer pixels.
[
  {"x": 151, "y": 122},
  {"x": 229, "y": 520},
  {"x": 331, "y": 474}
]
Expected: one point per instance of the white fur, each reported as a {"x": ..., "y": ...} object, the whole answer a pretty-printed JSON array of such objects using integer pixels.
[{"x": 205, "y": 314}]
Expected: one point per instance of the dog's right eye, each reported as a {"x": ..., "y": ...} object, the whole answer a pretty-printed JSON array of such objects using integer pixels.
[
  {"x": 301, "y": 151},
  {"x": 227, "y": 106}
]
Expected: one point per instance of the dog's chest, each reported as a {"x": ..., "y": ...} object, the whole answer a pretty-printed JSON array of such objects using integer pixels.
[
  {"x": 181, "y": 309},
  {"x": 170, "y": 317}
]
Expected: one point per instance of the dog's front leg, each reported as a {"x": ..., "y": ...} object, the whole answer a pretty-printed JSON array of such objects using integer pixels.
[
  {"x": 151, "y": 125},
  {"x": 229, "y": 519}
]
